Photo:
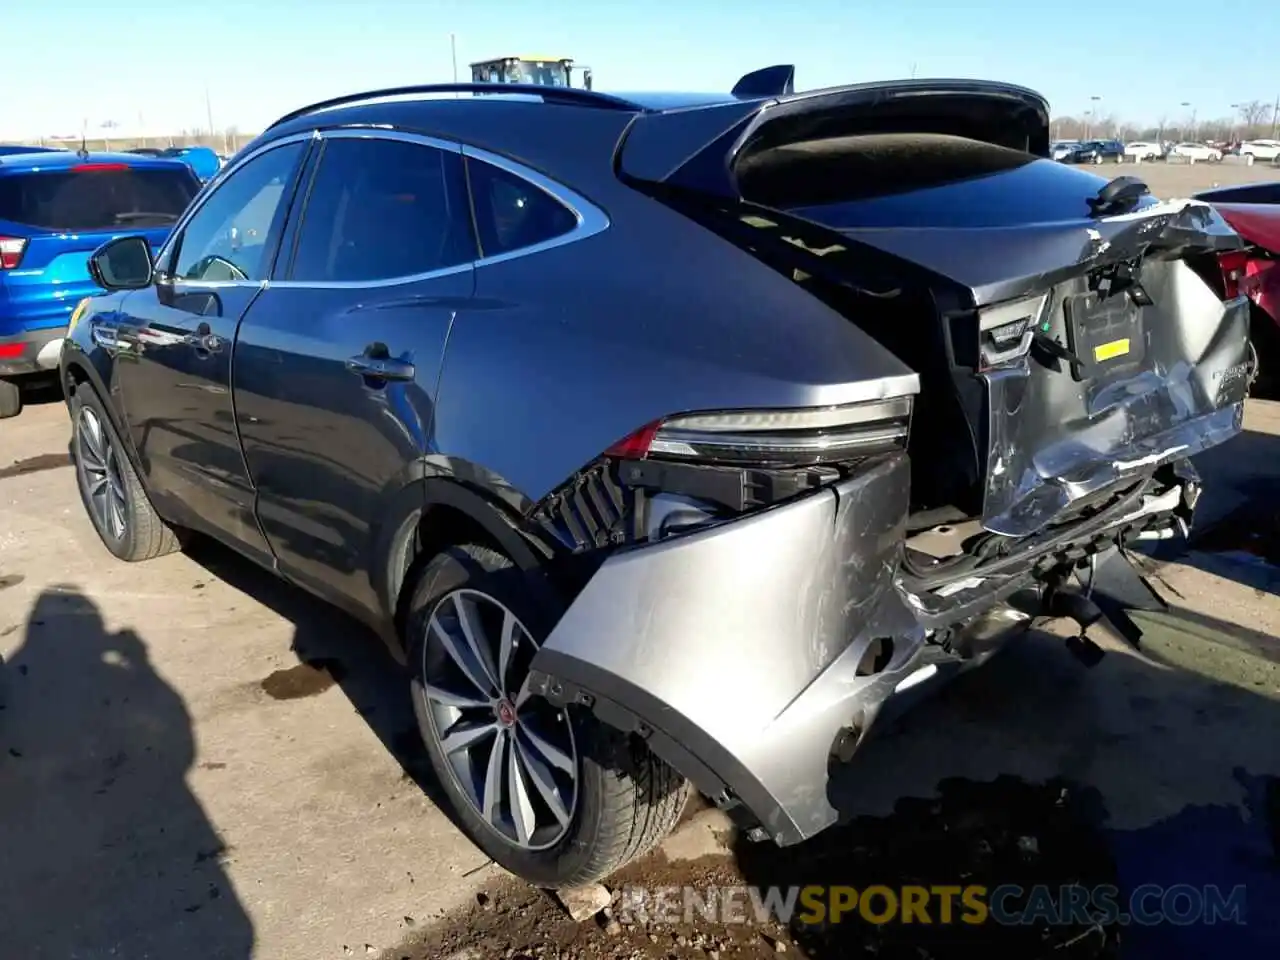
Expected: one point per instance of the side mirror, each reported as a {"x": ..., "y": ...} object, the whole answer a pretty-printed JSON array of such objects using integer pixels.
[{"x": 122, "y": 264}]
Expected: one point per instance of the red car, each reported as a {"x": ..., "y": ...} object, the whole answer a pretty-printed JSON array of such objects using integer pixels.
[{"x": 1254, "y": 212}]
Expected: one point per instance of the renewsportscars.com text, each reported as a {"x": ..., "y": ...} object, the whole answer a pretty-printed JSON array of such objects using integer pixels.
[{"x": 1008, "y": 904}]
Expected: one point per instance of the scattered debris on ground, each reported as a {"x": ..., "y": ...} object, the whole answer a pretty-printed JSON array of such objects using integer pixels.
[{"x": 1003, "y": 832}]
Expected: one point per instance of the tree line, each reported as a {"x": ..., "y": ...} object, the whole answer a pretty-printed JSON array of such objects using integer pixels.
[{"x": 1253, "y": 120}]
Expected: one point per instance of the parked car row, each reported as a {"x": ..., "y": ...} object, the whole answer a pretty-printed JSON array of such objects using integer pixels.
[
  {"x": 1113, "y": 151},
  {"x": 511, "y": 393},
  {"x": 1089, "y": 151},
  {"x": 203, "y": 161}
]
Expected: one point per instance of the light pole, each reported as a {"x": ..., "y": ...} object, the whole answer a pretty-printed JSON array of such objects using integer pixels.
[
  {"x": 453, "y": 55},
  {"x": 1235, "y": 107},
  {"x": 1188, "y": 103},
  {"x": 1092, "y": 114}
]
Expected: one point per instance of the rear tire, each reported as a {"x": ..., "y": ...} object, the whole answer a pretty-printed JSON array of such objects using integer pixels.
[
  {"x": 10, "y": 399},
  {"x": 113, "y": 496},
  {"x": 616, "y": 803}
]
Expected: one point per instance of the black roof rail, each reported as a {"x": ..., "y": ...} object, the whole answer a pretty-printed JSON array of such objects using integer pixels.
[{"x": 562, "y": 95}]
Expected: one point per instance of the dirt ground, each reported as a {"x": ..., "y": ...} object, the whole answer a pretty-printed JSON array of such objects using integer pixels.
[
  {"x": 195, "y": 760},
  {"x": 1171, "y": 180}
]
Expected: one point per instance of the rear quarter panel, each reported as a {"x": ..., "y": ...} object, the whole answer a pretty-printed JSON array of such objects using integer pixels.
[{"x": 567, "y": 350}]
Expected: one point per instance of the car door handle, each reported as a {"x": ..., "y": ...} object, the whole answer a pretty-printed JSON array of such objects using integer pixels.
[
  {"x": 203, "y": 339},
  {"x": 381, "y": 368}
]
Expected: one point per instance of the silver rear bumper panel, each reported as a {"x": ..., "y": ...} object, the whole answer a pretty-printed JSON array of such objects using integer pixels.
[{"x": 741, "y": 652}]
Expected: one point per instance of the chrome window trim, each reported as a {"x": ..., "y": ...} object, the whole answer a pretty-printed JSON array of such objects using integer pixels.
[
  {"x": 202, "y": 198},
  {"x": 386, "y": 133},
  {"x": 591, "y": 219}
]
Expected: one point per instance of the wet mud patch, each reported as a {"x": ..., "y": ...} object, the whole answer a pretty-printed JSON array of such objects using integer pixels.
[
  {"x": 37, "y": 464},
  {"x": 307, "y": 679},
  {"x": 992, "y": 834}
]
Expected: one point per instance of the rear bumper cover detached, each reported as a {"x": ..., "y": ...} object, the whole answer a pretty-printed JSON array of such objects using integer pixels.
[{"x": 752, "y": 654}]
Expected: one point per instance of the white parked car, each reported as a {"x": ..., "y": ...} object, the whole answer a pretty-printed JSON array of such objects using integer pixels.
[
  {"x": 1143, "y": 150},
  {"x": 1261, "y": 149},
  {"x": 1060, "y": 148},
  {"x": 1196, "y": 151}
]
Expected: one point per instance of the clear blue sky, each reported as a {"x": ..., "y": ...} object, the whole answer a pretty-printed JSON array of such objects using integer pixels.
[{"x": 121, "y": 60}]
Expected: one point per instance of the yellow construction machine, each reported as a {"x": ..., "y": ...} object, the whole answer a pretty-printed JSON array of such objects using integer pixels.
[{"x": 539, "y": 71}]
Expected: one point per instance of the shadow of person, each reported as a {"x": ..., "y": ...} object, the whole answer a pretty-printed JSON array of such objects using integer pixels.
[
  {"x": 104, "y": 850},
  {"x": 1154, "y": 771}
]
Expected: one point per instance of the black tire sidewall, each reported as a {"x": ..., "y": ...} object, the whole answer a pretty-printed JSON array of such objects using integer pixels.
[
  {"x": 10, "y": 399},
  {"x": 596, "y": 749},
  {"x": 120, "y": 547}
]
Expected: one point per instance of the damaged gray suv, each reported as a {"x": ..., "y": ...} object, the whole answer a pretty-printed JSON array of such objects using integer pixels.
[{"x": 669, "y": 440}]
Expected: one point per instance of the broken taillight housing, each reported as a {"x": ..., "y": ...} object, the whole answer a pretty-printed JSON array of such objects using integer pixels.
[
  {"x": 778, "y": 437},
  {"x": 1006, "y": 330},
  {"x": 1233, "y": 265}
]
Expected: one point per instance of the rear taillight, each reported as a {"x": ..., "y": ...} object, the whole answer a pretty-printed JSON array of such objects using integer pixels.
[
  {"x": 1233, "y": 266},
  {"x": 11, "y": 250},
  {"x": 787, "y": 437},
  {"x": 1006, "y": 330}
]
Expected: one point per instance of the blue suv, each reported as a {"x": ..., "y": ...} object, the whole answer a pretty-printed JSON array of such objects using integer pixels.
[{"x": 56, "y": 208}]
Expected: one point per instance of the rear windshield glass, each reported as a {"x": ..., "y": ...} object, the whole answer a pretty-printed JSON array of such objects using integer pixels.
[{"x": 103, "y": 199}]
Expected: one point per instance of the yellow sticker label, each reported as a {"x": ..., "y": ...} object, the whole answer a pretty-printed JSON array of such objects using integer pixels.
[{"x": 1109, "y": 351}]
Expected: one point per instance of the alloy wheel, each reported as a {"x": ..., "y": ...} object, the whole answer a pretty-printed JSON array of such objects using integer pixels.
[
  {"x": 512, "y": 755},
  {"x": 98, "y": 463}
]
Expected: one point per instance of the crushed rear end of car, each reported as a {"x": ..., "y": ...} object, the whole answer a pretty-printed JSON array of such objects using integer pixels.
[{"x": 1065, "y": 349}]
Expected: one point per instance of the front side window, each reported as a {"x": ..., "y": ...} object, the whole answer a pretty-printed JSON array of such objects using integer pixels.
[
  {"x": 229, "y": 237},
  {"x": 383, "y": 209},
  {"x": 512, "y": 213}
]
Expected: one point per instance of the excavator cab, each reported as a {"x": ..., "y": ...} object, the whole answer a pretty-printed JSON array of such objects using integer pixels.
[{"x": 539, "y": 71}]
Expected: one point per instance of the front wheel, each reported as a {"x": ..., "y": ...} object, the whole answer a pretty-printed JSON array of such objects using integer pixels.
[
  {"x": 10, "y": 399},
  {"x": 112, "y": 494},
  {"x": 550, "y": 794}
]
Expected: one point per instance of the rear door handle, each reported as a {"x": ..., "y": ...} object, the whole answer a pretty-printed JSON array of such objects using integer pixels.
[{"x": 381, "y": 368}]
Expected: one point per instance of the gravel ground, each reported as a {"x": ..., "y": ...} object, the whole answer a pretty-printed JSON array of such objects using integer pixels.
[{"x": 1184, "y": 179}]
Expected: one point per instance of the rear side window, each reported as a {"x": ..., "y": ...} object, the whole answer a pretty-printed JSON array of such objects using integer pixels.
[
  {"x": 382, "y": 209},
  {"x": 107, "y": 197},
  {"x": 512, "y": 213}
]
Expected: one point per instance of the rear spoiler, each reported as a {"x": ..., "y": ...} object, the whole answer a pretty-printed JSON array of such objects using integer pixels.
[
  {"x": 776, "y": 81},
  {"x": 696, "y": 148}
]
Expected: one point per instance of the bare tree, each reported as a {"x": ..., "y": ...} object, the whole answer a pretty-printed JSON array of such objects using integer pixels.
[{"x": 1253, "y": 115}]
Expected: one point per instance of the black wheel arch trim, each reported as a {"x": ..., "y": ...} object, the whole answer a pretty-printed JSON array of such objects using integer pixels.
[
  {"x": 397, "y": 550},
  {"x": 89, "y": 374},
  {"x": 566, "y": 680}
]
